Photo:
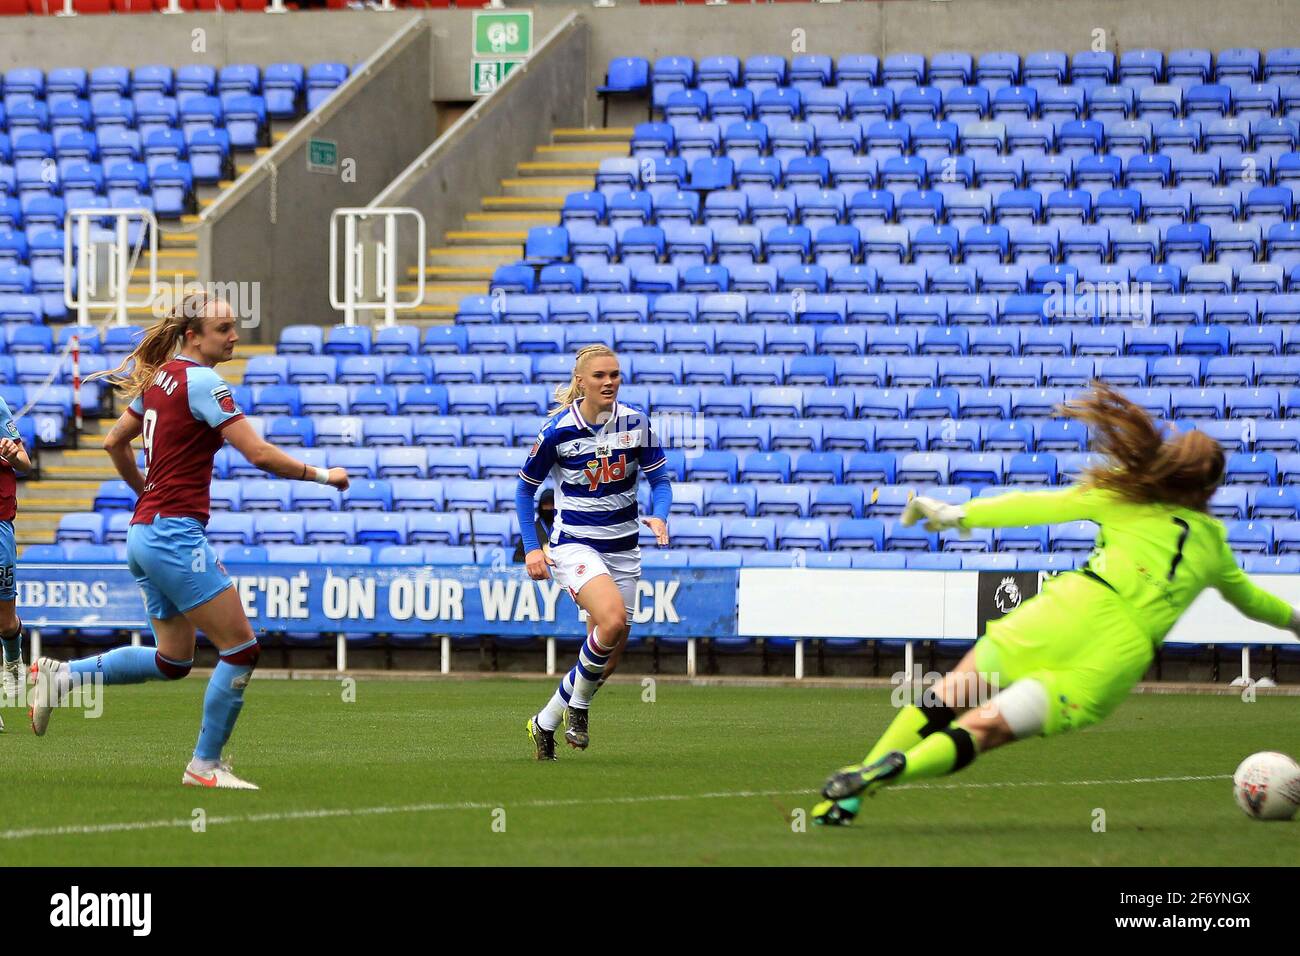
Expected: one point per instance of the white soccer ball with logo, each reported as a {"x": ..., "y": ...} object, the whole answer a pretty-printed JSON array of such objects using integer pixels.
[{"x": 1267, "y": 786}]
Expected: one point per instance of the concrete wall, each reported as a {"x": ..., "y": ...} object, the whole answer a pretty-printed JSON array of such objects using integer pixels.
[
  {"x": 470, "y": 159},
  {"x": 875, "y": 26},
  {"x": 345, "y": 35},
  {"x": 272, "y": 226}
]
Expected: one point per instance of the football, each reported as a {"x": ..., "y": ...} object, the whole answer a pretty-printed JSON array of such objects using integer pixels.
[{"x": 1267, "y": 786}]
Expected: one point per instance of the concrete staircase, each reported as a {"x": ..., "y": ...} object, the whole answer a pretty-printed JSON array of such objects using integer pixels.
[
  {"x": 178, "y": 251},
  {"x": 463, "y": 264},
  {"x": 70, "y": 477}
]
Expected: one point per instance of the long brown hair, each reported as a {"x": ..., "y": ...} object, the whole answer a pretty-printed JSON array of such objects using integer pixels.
[
  {"x": 568, "y": 394},
  {"x": 157, "y": 346},
  {"x": 1141, "y": 464}
]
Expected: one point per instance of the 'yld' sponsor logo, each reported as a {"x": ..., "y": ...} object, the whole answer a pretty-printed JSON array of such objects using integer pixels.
[{"x": 603, "y": 470}]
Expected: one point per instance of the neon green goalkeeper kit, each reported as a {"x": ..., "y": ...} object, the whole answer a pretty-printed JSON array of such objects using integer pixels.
[{"x": 1090, "y": 635}]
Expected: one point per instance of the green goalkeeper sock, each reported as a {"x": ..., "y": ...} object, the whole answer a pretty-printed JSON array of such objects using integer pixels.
[
  {"x": 909, "y": 727},
  {"x": 946, "y": 752}
]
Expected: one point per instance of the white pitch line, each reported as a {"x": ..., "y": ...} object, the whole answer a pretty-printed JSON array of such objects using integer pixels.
[{"x": 326, "y": 814}]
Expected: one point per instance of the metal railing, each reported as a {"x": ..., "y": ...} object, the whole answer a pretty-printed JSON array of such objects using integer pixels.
[
  {"x": 357, "y": 280},
  {"x": 81, "y": 260}
]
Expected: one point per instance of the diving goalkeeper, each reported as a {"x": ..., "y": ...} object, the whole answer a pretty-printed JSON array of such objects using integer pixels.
[{"x": 1070, "y": 655}]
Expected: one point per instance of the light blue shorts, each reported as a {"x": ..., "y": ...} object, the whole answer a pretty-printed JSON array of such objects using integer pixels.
[
  {"x": 174, "y": 565},
  {"x": 8, "y": 558}
]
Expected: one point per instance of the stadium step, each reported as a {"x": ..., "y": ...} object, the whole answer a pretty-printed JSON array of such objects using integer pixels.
[
  {"x": 523, "y": 203},
  {"x": 520, "y": 221},
  {"x": 581, "y": 152},
  {"x": 55, "y": 506},
  {"x": 85, "y": 472},
  {"x": 37, "y": 523},
  {"x": 441, "y": 298},
  {"x": 478, "y": 237},
  {"x": 452, "y": 272},
  {"x": 188, "y": 274},
  {"x": 547, "y": 185},
  {"x": 545, "y": 168},
  {"x": 566, "y": 134},
  {"x": 475, "y": 255},
  {"x": 175, "y": 236},
  {"x": 187, "y": 253}
]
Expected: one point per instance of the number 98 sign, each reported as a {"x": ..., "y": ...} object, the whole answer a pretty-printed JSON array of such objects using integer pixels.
[{"x": 503, "y": 34}]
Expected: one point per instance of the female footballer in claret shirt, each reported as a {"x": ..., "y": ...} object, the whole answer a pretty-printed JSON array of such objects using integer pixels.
[{"x": 183, "y": 413}]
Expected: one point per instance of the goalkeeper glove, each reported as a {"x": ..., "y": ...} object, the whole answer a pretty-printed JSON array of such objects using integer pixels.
[{"x": 938, "y": 515}]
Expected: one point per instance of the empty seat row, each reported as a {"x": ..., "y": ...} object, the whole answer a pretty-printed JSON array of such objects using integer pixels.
[
  {"x": 539, "y": 324},
  {"x": 805, "y": 359},
  {"x": 459, "y": 555},
  {"x": 736, "y": 130},
  {"x": 785, "y": 531},
  {"x": 614, "y": 229},
  {"x": 994, "y": 69},
  {"x": 284, "y": 85}
]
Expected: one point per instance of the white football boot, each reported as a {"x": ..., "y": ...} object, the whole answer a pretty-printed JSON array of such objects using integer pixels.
[
  {"x": 220, "y": 777},
  {"x": 50, "y": 681},
  {"x": 11, "y": 680}
]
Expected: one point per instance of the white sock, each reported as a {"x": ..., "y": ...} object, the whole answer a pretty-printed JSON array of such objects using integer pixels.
[
  {"x": 199, "y": 766},
  {"x": 549, "y": 717}
]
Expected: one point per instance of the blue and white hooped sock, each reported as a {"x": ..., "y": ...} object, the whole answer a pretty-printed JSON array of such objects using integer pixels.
[
  {"x": 590, "y": 668},
  {"x": 579, "y": 684}
]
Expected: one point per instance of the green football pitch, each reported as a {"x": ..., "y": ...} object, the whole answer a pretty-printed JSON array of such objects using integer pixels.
[{"x": 440, "y": 772}]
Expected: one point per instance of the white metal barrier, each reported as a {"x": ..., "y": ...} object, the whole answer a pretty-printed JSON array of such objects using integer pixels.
[
  {"x": 384, "y": 275},
  {"x": 82, "y": 260}
]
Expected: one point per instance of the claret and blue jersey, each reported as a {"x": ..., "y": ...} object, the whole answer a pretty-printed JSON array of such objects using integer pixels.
[{"x": 182, "y": 412}]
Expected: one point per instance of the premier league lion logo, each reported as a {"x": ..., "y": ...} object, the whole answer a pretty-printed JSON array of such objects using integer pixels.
[{"x": 1008, "y": 596}]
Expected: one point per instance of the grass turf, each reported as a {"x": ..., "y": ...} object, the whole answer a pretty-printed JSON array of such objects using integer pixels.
[{"x": 458, "y": 752}]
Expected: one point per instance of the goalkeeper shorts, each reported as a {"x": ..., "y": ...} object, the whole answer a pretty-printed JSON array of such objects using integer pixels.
[{"x": 1077, "y": 640}]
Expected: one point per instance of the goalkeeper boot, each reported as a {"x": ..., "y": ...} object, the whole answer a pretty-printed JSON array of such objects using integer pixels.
[
  {"x": 852, "y": 781},
  {"x": 575, "y": 728},
  {"x": 543, "y": 740},
  {"x": 836, "y": 813}
]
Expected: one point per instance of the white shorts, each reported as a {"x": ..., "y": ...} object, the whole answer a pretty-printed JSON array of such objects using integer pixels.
[{"x": 576, "y": 564}]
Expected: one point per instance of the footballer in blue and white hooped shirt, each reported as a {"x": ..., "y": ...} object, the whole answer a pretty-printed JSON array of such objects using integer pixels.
[{"x": 593, "y": 447}]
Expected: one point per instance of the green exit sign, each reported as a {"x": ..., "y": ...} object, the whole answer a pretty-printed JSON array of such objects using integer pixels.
[
  {"x": 322, "y": 156},
  {"x": 503, "y": 34},
  {"x": 486, "y": 75}
]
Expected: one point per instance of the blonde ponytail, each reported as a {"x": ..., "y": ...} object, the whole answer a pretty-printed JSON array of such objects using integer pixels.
[
  {"x": 566, "y": 395},
  {"x": 157, "y": 347}
]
